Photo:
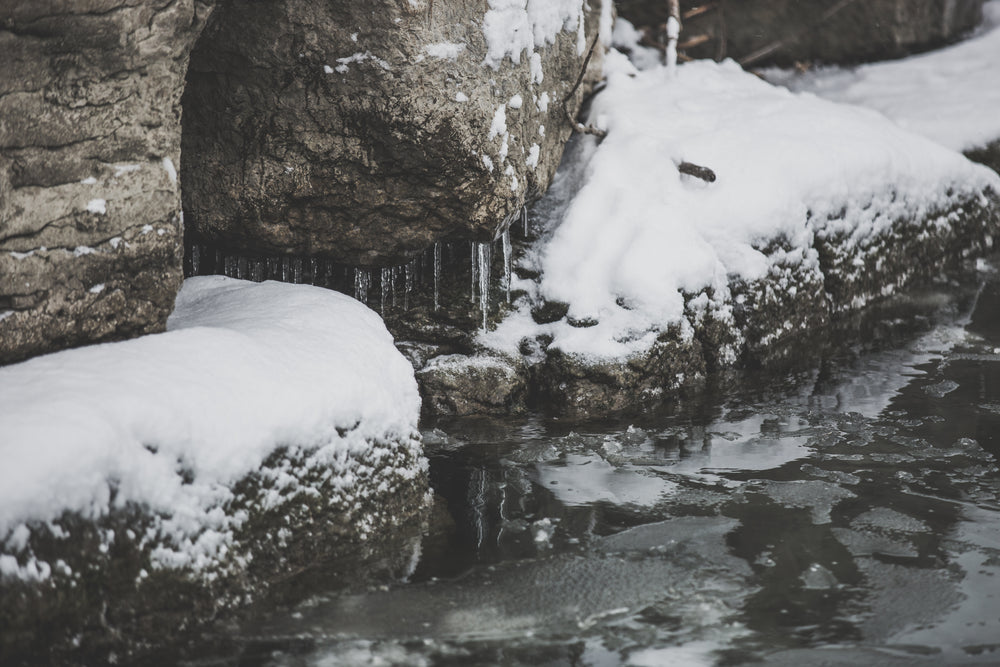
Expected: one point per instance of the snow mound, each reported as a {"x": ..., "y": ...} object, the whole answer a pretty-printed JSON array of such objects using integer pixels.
[
  {"x": 641, "y": 244},
  {"x": 170, "y": 422},
  {"x": 951, "y": 96}
]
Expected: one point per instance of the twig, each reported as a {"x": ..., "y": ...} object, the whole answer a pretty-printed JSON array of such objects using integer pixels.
[
  {"x": 573, "y": 123},
  {"x": 691, "y": 169},
  {"x": 782, "y": 43},
  {"x": 699, "y": 10}
]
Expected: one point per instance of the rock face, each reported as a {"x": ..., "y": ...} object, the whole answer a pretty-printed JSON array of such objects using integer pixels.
[
  {"x": 861, "y": 31},
  {"x": 90, "y": 215},
  {"x": 363, "y": 132}
]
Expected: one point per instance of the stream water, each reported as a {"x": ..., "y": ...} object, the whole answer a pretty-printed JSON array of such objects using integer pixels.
[{"x": 847, "y": 514}]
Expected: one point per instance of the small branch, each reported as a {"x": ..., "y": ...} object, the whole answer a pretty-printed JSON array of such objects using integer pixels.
[
  {"x": 691, "y": 169},
  {"x": 573, "y": 123},
  {"x": 697, "y": 40},
  {"x": 779, "y": 44},
  {"x": 699, "y": 10}
]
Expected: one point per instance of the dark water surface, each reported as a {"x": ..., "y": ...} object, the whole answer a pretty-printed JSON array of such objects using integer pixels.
[{"x": 846, "y": 514}]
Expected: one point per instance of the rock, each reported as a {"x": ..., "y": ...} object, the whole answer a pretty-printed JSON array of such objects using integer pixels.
[
  {"x": 102, "y": 592},
  {"x": 988, "y": 155},
  {"x": 581, "y": 388},
  {"x": 90, "y": 210},
  {"x": 363, "y": 132},
  {"x": 457, "y": 385},
  {"x": 861, "y": 31}
]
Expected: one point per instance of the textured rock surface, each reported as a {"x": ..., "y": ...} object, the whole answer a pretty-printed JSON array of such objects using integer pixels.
[
  {"x": 90, "y": 215},
  {"x": 861, "y": 31},
  {"x": 459, "y": 385},
  {"x": 362, "y": 132},
  {"x": 103, "y": 595}
]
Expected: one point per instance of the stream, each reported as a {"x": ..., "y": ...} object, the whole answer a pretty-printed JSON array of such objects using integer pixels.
[{"x": 846, "y": 513}]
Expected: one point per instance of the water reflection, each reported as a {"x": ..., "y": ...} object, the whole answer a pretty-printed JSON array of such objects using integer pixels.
[{"x": 850, "y": 515}]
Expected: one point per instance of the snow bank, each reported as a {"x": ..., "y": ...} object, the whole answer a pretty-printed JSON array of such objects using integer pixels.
[
  {"x": 171, "y": 422},
  {"x": 639, "y": 241},
  {"x": 951, "y": 96}
]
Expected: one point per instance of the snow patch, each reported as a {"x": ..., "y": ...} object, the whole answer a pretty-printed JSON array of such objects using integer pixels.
[
  {"x": 513, "y": 26},
  {"x": 168, "y": 166},
  {"x": 445, "y": 50},
  {"x": 97, "y": 289},
  {"x": 461, "y": 97},
  {"x": 98, "y": 206}
]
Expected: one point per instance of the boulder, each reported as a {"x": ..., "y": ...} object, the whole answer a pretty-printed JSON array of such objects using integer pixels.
[
  {"x": 859, "y": 32},
  {"x": 90, "y": 210},
  {"x": 363, "y": 132}
]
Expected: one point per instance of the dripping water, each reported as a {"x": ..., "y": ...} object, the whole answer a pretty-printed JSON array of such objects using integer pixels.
[{"x": 524, "y": 220}]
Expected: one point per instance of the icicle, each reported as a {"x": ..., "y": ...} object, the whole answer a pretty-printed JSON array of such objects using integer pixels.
[
  {"x": 524, "y": 219},
  {"x": 241, "y": 268},
  {"x": 410, "y": 271},
  {"x": 484, "y": 280},
  {"x": 297, "y": 270},
  {"x": 196, "y": 259},
  {"x": 218, "y": 262},
  {"x": 286, "y": 270},
  {"x": 392, "y": 283},
  {"x": 475, "y": 271},
  {"x": 507, "y": 252},
  {"x": 228, "y": 266},
  {"x": 386, "y": 277},
  {"x": 313, "y": 270},
  {"x": 362, "y": 281},
  {"x": 258, "y": 271},
  {"x": 437, "y": 276}
]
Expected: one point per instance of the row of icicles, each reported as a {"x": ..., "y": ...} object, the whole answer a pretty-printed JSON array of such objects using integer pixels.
[{"x": 325, "y": 273}]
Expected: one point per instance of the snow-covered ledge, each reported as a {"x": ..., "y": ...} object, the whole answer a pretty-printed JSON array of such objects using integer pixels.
[{"x": 270, "y": 423}]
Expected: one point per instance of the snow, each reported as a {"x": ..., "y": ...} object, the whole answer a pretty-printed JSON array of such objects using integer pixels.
[
  {"x": 461, "y": 97},
  {"x": 99, "y": 206},
  {"x": 168, "y": 166},
  {"x": 951, "y": 96},
  {"x": 514, "y": 26},
  {"x": 638, "y": 236},
  {"x": 445, "y": 50},
  {"x": 171, "y": 421}
]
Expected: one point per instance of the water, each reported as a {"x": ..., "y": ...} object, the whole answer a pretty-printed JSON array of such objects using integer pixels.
[{"x": 845, "y": 514}]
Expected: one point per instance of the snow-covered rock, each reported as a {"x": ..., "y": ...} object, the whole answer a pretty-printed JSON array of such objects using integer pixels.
[
  {"x": 269, "y": 424},
  {"x": 382, "y": 126},
  {"x": 817, "y": 208}
]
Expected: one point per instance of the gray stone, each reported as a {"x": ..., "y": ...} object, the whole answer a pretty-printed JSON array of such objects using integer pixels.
[
  {"x": 457, "y": 385},
  {"x": 865, "y": 30},
  {"x": 337, "y": 129},
  {"x": 90, "y": 211}
]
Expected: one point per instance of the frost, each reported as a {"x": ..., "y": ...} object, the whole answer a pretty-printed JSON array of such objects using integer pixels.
[
  {"x": 115, "y": 242},
  {"x": 82, "y": 250},
  {"x": 90, "y": 180},
  {"x": 488, "y": 162}
]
